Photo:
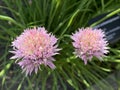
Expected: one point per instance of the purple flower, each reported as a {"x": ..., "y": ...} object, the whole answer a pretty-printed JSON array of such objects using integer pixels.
[
  {"x": 89, "y": 43},
  {"x": 33, "y": 48}
]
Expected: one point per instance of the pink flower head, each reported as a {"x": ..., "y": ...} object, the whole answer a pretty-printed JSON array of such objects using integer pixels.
[
  {"x": 33, "y": 48},
  {"x": 89, "y": 43}
]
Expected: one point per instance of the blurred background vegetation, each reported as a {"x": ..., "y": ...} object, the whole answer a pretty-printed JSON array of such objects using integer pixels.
[{"x": 62, "y": 18}]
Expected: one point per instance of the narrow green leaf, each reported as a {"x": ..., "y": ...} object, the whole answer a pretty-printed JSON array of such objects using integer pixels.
[{"x": 7, "y": 18}]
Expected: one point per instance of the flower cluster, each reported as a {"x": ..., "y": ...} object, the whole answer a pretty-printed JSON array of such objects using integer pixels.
[
  {"x": 33, "y": 48},
  {"x": 89, "y": 43}
]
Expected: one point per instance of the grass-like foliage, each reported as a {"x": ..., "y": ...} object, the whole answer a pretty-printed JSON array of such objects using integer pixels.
[{"x": 62, "y": 18}]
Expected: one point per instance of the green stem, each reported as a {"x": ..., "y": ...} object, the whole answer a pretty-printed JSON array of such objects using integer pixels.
[
  {"x": 107, "y": 16},
  {"x": 7, "y": 66},
  {"x": 2, "y": 17}
]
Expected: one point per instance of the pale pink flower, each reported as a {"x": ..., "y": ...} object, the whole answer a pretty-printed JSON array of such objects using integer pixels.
[
  {"x": 34, "y": 47},
  {"x": 89, "y": 43}
]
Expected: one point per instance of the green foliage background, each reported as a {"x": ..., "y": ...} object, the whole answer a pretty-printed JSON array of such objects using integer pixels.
[{"x": 62, "y": 18}]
